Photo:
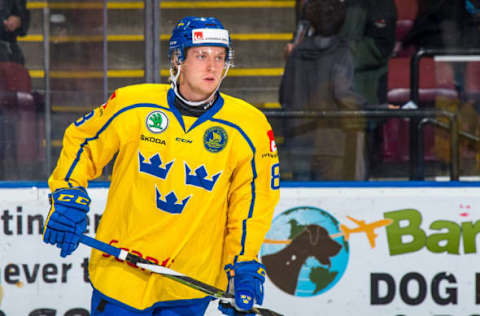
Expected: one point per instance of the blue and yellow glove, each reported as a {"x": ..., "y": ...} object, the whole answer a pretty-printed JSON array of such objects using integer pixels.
[
  {"x": 245, "y": 281},
  {"x": 67, "y": 219}
]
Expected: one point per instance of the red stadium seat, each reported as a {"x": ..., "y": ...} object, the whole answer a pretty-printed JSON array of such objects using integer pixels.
[
  {"x": 18, "y": 77},
  {"x": 436, "y": 80},
  {"x": 20, "y": 134},
  {"x": 406, "y": 11}
]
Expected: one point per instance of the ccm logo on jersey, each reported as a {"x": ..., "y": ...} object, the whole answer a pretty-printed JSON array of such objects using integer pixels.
[{"x": 271, "y": 138}]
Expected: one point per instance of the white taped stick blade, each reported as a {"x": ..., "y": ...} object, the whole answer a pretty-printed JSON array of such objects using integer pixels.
[
  {"x": 159, "y": 269},
  {"x": 123, "y": 254}
]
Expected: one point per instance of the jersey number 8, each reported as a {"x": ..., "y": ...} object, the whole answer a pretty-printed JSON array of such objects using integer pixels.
[{"x": 275, "y": 181}]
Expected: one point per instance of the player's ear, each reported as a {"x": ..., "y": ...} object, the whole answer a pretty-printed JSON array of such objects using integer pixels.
[
  {"x": 174, "y": 60},
  {"x": 174, "y": 63}
]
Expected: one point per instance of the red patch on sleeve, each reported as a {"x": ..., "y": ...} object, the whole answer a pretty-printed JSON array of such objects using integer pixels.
[
  {"x": 104, "y": 106},
  {"x": 273, "y": 146}
]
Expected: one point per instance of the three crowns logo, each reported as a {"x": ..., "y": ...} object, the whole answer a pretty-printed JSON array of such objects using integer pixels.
[{"x": 169, "y": 204}]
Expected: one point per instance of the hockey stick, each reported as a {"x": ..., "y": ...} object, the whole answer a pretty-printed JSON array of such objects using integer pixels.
[{"x": 166, "y": 272}]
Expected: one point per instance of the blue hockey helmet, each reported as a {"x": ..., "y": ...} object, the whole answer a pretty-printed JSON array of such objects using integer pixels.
[{"x": 194, "y": 31}]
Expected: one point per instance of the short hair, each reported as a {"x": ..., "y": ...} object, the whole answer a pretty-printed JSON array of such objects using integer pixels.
[{"x": 326, "y": 16}]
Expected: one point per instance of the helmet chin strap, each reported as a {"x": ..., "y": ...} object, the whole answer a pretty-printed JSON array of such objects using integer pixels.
[{"x": 209, "y": 100}]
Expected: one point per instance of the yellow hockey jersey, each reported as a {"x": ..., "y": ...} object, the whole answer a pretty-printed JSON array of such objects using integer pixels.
[{"x": 192, "y": 194}]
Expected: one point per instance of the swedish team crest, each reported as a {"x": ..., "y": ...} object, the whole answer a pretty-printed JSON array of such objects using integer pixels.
[
  {"x": 215, "y": 139},
  {"x": 157, "y": 122}
]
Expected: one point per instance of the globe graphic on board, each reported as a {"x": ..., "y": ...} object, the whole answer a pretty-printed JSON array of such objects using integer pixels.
[{"x": 304, "y": 252}]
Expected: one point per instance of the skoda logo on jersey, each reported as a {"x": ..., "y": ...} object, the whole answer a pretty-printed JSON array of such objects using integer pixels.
[
  {"x": 215, "y": 139},
  {"x": 157, "y": 122}
]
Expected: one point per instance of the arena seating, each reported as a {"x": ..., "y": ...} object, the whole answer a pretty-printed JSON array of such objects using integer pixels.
[
  {"x": 406, "y": 11},
  {"x": 20, "y": 123},
  {"x": 436, "y": 81}
]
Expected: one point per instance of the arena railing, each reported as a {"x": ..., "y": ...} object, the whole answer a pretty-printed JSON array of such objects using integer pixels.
[
  {"x": 447, "y": 55},
  {"x": 419, "y": 117}
]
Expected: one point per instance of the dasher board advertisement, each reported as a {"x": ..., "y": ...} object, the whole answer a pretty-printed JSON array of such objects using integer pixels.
[{"x": 330, "y": 251}]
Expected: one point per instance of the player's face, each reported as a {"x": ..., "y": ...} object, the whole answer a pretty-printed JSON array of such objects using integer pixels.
[{"x": 201, "y": 72}]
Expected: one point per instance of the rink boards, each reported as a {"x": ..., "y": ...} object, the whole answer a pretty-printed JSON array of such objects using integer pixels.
[{"x": 411, "y": 250}]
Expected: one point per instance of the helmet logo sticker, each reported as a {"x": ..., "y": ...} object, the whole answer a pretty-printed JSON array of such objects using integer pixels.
[
  {"x": 157, "y": 122},
  {"x": 197, "y": 35},
  {"x": 210, "y": 36}
]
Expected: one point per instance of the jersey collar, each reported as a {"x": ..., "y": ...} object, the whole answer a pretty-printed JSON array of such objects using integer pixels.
[{"x": 217, "y": 105}]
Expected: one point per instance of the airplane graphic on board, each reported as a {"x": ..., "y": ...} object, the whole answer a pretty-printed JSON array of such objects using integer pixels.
[{"x": 363, "y": 227}]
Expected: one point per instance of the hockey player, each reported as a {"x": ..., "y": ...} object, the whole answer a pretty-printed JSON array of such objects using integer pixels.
[{"x": 193, "y": 188}]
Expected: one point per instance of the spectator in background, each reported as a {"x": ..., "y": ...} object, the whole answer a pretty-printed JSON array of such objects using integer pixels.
[
  {"x": 19, "y": 148},
  {"x": 470, "y": 24},
  {"x": 319, "y": 76},
  {"x": 16, "y": 20},
  {"x": 370, "y": 29},
  {"x": 445, "y": 24}
]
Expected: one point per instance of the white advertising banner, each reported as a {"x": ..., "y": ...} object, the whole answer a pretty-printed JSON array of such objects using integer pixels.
[{"x": 330, "y": 251}]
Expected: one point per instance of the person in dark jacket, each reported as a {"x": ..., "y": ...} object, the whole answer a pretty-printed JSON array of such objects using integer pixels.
[
  {"x": 16, "y": 20},
  {"x": 369, "y": 27},
  {"x": 370, "y": 30},
  {"x": 447, "y": 24},
  {"x": 17, "y": 109},
  {"x": 319, "y": 76}
]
